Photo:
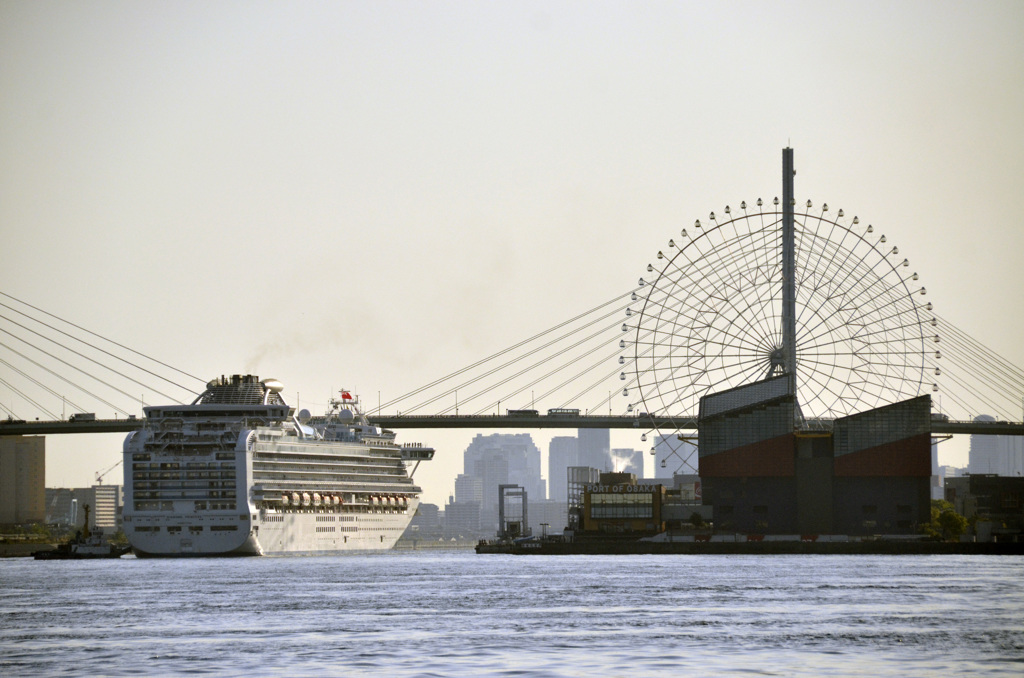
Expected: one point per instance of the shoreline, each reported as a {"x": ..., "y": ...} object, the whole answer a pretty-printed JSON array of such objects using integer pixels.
[{"x": 873, "y": 547}]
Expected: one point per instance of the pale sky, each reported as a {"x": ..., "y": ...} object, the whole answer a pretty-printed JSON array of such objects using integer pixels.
[{"x": 375, "y": 194}]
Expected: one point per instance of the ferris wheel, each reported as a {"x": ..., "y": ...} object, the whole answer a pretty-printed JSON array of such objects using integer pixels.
[{"x": 710, "y": 315}]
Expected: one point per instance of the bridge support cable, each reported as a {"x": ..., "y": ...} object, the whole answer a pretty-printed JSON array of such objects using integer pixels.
[
  {"x": 41, "y": 385},
  {"x": 983, "y": 382},
  {"x": 574, "y": 359},
  {"x": 82, "y": 341},
  {"x": 109, "y": 341},
  {"x": 80, "y": 355},
  {"x": 997, "y": 369},
  {"x": 68, "y": 381},
  {"x": 74, "y": 367},
  {"x": 516, "y": 358},
  {"x": 88, "y": 356},
  {"x": 523, "y": 371},
  {"x": 28, "y": 399},
  {"x": 603, "y": 379}
]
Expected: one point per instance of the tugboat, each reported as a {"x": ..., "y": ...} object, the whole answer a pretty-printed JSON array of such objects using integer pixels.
[{"x": 84, "y": 545}]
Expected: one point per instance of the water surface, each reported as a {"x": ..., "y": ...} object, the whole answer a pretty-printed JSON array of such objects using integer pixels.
[{"x": 446, "y": 613}]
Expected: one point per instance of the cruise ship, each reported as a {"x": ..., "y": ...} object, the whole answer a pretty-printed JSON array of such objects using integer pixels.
[{"x": 240, "y": 473}]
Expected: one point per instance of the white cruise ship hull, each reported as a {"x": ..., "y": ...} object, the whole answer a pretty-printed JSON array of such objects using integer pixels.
[{"x": 275, "y": 533}]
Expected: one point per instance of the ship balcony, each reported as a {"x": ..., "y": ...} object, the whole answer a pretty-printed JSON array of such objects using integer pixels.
[{"x": 417, "y": 452}]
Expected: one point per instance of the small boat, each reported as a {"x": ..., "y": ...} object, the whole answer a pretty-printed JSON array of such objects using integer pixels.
[{"x": 84, "y": 545}]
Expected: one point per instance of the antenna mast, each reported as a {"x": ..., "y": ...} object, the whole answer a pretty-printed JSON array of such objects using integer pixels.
[{"x": 789, "y": 274}]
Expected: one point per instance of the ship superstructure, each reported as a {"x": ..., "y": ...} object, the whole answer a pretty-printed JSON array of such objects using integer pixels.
[{"x": 239, "y": 472}]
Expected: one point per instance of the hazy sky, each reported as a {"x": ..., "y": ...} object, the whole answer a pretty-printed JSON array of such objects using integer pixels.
[{"x": 374, "y": 194}]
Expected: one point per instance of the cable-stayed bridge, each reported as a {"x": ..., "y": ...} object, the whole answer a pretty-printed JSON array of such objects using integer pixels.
[
  {"x": 58, "y": 358},
  {"x": 760, "y": 289}
]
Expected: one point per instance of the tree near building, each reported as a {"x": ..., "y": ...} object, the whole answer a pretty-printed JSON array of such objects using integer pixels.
[{"x": 945, "y": 524}]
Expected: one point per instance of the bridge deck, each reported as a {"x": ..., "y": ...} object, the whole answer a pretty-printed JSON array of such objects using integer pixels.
[{"x": 540, "y": 421}]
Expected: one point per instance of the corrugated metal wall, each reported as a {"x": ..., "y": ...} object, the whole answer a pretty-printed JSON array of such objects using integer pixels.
[
  {"x": 883, "y": 425},
  {"x": 769, "y": 458},
  {"x": 883, "y": 468},
  {"x": 760, "y": 422},
  {"x": 742, "y": 398}
]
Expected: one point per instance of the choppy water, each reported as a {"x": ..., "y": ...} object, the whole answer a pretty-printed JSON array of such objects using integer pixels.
[{"x": 456, "y": 613}]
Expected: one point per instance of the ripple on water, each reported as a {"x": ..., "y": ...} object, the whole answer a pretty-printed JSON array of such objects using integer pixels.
[{"x": 455, "y": 613}]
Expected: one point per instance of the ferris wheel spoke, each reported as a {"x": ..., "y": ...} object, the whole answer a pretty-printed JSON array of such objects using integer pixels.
[
  {"x": 841, "y": 303},
  {"x": 866, "y": 302},
  {"x": 687, "y": 305},
  {"x": 862, "y": 320},
  {"x": 835, "y": 388},
  {"x": 864, "y": 311},
  {"x": 878, "y": 335},
  {"x": 848, "y": 266}
]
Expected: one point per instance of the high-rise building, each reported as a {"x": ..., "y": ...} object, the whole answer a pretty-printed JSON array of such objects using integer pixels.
[
  {"x": 425, "y": 524},
  {"x": 595, "y": 448},
  {"x": 490, "y": 461},
  {"x": 548, "y": 517},
  {"x": 468, "y": 488},
  {"x": 22, "y": 479},
  {"x": 462, "y": 519},
  {"x": 106, "y": 508},
  {"x": 935, "y": 484},
  {"x": 999, "y": 455},
  {"x": 563, "y": 452},
  {"x": 503, "y": 459}
]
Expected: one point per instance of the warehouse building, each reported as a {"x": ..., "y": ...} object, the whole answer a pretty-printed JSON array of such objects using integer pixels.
[{"x": 869, "y": 474}]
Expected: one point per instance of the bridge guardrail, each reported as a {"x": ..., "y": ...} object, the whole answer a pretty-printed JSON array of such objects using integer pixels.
[{"x": 643, "y": 423}]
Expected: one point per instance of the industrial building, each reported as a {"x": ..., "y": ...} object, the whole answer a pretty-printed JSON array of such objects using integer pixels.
[
  {"x": 618, "y": 504},
  {"x": 869, "y": 474},
  {"x": 993, "y": 504}
]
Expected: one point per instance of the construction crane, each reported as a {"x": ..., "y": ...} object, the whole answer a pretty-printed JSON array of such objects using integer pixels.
[{"x": 100, "y": 474}]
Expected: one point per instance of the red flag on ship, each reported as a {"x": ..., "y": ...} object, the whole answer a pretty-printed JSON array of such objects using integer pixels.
[{"x": 345, "y": 395}]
